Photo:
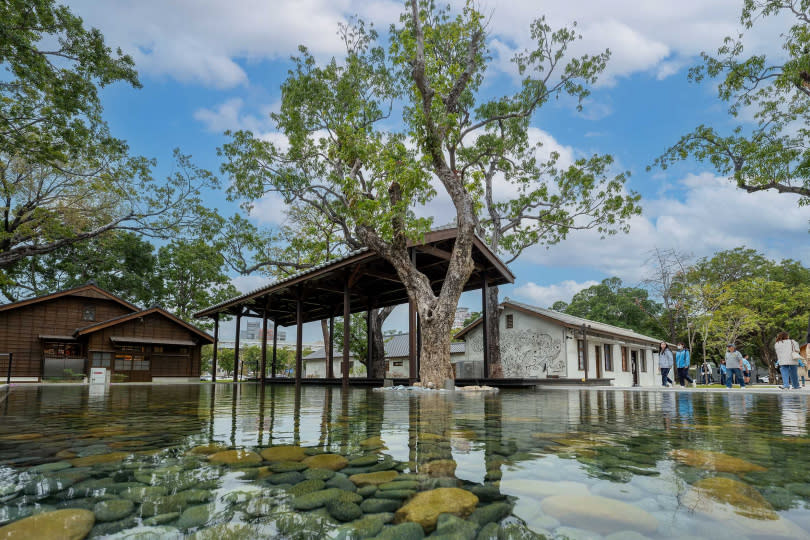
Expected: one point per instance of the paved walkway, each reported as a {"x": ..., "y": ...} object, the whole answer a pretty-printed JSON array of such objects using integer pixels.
[{"x": 755, "y": 389}]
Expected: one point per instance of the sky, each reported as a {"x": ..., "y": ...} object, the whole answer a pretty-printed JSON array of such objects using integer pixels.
[{"x": 210, "y": 65}]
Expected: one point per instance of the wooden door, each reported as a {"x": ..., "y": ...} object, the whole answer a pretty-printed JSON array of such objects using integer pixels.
[
  {"x": 597, "y": 356},
  {"x": 131, "y": 366}
]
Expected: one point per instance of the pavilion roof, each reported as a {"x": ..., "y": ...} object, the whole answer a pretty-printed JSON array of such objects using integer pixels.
[{"x": 373, "y": 282}]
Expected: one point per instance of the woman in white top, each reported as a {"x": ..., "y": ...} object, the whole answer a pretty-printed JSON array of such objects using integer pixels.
[{"x": 788, "y": 366}]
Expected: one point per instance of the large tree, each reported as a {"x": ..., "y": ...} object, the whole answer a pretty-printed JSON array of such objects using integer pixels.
[
  {"x": 63, "y": 177},
  {"x": 769, "y": 98},
  {"x": 348, "y": 157},
  {"x": 612, "y": 303}
]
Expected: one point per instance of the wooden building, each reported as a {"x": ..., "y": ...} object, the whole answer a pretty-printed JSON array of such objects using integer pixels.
[{"x": 85, "y": 327}]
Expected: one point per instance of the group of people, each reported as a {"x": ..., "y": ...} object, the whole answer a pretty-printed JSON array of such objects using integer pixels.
[
  {"x": 791, "y": 360},
  {"x": 681, "y": 360}
]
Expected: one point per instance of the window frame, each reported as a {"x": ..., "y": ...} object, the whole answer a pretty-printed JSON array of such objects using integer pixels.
[
  {"x": 580, "y": 355},
  {"x": 89, "y": 312},
  {"x": 510, "y": 321},
  {"x": 608, "y": 356},
  {"x": 625, "y": 360}
]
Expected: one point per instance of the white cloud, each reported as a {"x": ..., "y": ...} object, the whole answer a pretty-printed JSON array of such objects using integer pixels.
[
  {"x": 546, "y": 295},
  {"x": 703, "y": 215},
  {"x": 229, "y": 115},
  {"x": 206, "y": 41},
  {"x": 210, "y": 41}
]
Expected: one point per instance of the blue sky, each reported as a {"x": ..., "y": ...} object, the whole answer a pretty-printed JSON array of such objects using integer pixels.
[{"x": 207, "y": 66}]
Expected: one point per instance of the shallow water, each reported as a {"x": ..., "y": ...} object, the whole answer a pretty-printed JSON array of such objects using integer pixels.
[{"x": 556, "y": 463}]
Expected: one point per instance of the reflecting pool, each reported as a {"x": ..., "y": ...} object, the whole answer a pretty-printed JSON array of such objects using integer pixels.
[{"x": 239, "y": 461}]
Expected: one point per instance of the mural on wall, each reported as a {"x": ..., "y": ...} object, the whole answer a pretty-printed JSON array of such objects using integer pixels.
[
  {"x": 525, "y": 353},
  {"x": 531, "y": 353}
]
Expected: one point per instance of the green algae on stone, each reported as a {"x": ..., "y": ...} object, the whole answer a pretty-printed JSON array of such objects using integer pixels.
[
  {"x": 373, "y": 506},
  {"x": 488, "y": 532},
  {"x": 293, "y": 477},
  {"x": 195, "y": 516},
  {"x": 284, "y": 453},
  {"x": 364, "y": 461},
  {"x": 399, "y": 484},
  {"x": 450, "y": 527},
  {"x": 68, "y": 524},
  {"x": 343, "y": 511},
  {"x": 140, "y": 494},
  {"x": 397, "y": 494},
  {"x": 160, "y": 519},
  {"x": 307, "y": 486},
  {"x": 287, "y": 466},
  {"x": 490, "y": 513},
  {"x": 319, "y": 474},
  {"x": 113, "y": 510},
  {"x": 403, "y": 531},
  {"x": 374, "y": 478},
  {"x": 333, "y": 462},
  {"x": 148, "y": 533},
  {"x": 311, "y": 501}
]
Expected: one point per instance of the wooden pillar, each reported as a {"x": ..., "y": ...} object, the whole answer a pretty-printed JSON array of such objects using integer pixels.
[
  {"x": 299, "y": 330},
  {"x": 585, "y": 349},
  {"x": 413, "y": 373},
  {"x": 485, "y": 327},
  {"x": 275, "y": 349},
  {"x": 369, "y": 352},
  {"x": 419, "y": 345},
  {"x": 216, "y": 346},
  {"x": 236, "y": 347},
  {"x": 330, "y": 369},
  {"x": 264, "y": 346},
  {"x": 347, "y": 320}
]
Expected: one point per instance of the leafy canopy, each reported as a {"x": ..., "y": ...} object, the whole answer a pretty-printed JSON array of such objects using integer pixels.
[{"x": 772, "y": 151}]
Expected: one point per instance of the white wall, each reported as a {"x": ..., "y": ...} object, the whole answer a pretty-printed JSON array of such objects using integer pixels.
[{"x": 536, "y": 348}]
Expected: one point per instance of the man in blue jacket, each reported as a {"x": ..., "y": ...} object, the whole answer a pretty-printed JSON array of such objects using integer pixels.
[{"x": 682, "y": 361}]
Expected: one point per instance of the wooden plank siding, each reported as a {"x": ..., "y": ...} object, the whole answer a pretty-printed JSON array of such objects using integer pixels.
[
  {"x": 61, "y": 314},
  {"x": 20, "y": 328}
]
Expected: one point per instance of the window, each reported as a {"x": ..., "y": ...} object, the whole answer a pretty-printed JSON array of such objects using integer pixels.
[
  {"x": 157, "y": 348},
  {"x": 608, "y": 357},
  {"x": 643, "y": 361},
  {"x": 597, "y": 355},
  {"x": 130, "y": 362},
  {"x": 397, "y": 364},
  {"x": 625, "y": 367},
  {"x": 101, "y": 359},
  {"x": 88, "y": 313},
  {"x": 510, "y": 321},
  {"x": 580, "y": 355},
  {"x": 61, "y": 349}
]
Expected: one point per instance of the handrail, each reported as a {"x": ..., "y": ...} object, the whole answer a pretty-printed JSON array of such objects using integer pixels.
[{"x": 10, "y": 359}]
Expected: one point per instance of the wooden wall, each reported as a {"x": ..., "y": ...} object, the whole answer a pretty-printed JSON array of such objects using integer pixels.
[
  {"x": 157, "y": 327},
  {"x": 20, "y": 328}
]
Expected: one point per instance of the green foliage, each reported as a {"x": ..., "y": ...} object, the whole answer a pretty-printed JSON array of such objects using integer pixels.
[
  {"x": 474, "y": 316},
  {"x": 358, "y": 345},
  {"x": 611, "y": 303},
  {"x": 120, "y": 262},
  {"x": 192, "y": 277},
  {"x": 63, "y": 177},
  {"x": 773, "y": 151}
]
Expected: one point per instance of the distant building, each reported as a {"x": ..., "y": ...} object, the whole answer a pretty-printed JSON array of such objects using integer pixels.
[
  {"x": 462, "y": 314},
  {"x": 539, "y": 343},
  {"x": 73, "y": 330},
  {"x": 396, "y": 358},
  {"x": 251, "y": 331}
]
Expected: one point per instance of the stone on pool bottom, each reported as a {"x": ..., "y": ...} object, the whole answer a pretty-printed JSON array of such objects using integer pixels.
[{"x": 599, "y": 514}]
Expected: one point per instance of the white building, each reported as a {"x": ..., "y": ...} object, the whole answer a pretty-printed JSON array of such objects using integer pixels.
[
  {"x": 396, "y": 358},
  {"x": 462, "y": 314},
  {"x": 538, "y": 343}
]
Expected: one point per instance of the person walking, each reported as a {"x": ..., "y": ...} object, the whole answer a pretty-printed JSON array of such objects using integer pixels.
[
  {"x": 723, "y": 373},
  {"x": 665, "y": 363},
  {"x": 733, "y": 366},
  {"x": 683, "y": 360},
  {"x": 787, "y": 354},
  {"x": 746, "y": 369}
]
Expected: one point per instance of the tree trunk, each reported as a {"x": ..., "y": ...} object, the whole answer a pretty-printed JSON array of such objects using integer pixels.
[
  {"x": 377, "y": 319},
  {"x": 435, "y": 367},
  {"x": 494, "y": 337}
]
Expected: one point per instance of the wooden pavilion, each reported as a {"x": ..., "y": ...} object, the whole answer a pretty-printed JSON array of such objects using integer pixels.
[{"x": 360, "y": 281}]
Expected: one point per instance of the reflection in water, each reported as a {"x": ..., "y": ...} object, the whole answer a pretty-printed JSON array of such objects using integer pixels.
[{"x": 558, "y": 463}]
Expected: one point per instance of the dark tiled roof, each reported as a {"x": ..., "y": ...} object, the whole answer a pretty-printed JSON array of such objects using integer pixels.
[{"x": 396, "y": 346}]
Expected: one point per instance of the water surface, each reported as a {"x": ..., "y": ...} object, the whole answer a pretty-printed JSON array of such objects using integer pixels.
[{"x": 540, "y": 463}]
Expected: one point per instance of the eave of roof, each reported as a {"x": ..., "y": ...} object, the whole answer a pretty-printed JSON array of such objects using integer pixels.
[
  {"x": 569, "y": 321},
  {"x": 67, "y": 292},
  {"x": 130, "y": 316}
]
